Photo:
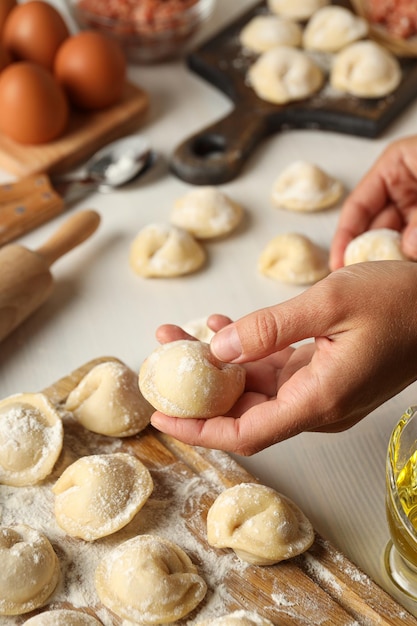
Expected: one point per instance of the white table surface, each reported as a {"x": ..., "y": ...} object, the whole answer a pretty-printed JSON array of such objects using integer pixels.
[{"x": 100, "y": 307}]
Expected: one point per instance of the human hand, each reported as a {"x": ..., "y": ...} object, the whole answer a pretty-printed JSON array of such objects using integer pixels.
[
  {"x": 385, "y": 198},
  {"x": 363, "y": 322}
]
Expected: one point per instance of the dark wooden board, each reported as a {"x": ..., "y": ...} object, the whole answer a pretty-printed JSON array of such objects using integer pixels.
[
  {"x": 217, "y": 153},
  {"x": 319, "y": 587}
]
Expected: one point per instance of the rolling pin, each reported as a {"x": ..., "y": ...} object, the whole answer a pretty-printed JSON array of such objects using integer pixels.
[{"x": 25, "y": 277}]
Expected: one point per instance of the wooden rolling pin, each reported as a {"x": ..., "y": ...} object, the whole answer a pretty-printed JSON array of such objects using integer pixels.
[{"x": 25, "y": 277}]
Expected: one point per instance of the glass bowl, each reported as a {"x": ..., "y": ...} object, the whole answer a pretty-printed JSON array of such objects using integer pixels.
[{"x": 148, "y": 30}]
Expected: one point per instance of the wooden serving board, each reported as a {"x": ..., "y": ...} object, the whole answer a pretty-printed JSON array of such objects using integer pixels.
[
  {"x": 319, "y": 587},
  {"x": 87, "y": 132},
  {"x": 218, "y": 152}
]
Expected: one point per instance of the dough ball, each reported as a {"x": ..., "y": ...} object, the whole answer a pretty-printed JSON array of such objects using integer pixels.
[
  {"x": 149, "y": 580},
  {"x": 294, "y": 259},
  {"x": 332, "y": 28},
  {"x": 284, "y": 74},
  {"x": 296, "y": 9},
  {"x": 199, "y": 329},
  {"x": 184, "y": 379},
  {"x": 108, "y": 401},
  {"x": 99, "y": 494},
  {"x": 365, "y": 69},
  {"x": 31, "y": 437},
  {"x": 62, "y": 617},
  {"x": 303, "y": 186},
  {"x": 261, "y": 526},
  {"x": 381, "y": 244},
  {"x": 163, "y": 251},
  {"x": 206, "y": 212},
  {"x": 29, "y": 569},
  {"x": 237, "y": 618},
  {"x": 264, "y": 32}
]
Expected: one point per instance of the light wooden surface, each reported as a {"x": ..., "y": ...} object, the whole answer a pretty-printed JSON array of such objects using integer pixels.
[
  {"x": 86, "y": 133},
  {"x": 319, "y": 587},
  {"x": 99, "y": 306}
]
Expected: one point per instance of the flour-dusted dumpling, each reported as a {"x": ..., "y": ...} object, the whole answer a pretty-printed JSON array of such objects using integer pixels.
[
  {"x": 284, "y": 74},
  {"x": 237, "y": 618},
  {"x": 206, "y": 212},
  {"x": 108, "y": 401},
  {"x": 149, "y": 580},
  {"x": 29, "y": 569},
  {"x": 163, "y": 251},
  {"x": 332, "y": 28},
  {"x": 296, "y": 9},
  {"x": 264, "y": 32},
  {"x": 294, "y": 259},
  {"x": 62, "y": 617},
  {"x": 99, "y": 494},
  {"x": 184, "y": 379},
  {"x": 381, "y": 244},
  {"x": 365, "y": 69},
  {"x": 261, "y": 525},
  {"x": 303, "y": 186},
  {"x": 31, "y": 436}
]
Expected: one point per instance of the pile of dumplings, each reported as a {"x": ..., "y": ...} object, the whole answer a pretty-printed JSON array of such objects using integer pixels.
[
  {"x": 288, "y": 39},
  {"x": 148, "y": 578}
]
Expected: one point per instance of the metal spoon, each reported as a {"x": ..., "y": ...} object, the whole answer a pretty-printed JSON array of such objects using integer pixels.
[{"x": 113, "y": 166}]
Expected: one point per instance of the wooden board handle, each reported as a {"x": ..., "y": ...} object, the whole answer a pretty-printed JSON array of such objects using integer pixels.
[
  {"x": 73, "y": 232},
  {"x": 217, "y": 153},
  {"x": 26, "y": 204}
]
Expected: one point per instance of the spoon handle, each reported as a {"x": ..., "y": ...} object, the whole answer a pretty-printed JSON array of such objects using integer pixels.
[{"x": 26, "y": 204}]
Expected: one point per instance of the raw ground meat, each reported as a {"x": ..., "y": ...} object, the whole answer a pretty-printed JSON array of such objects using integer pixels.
[
  {"x": 399, "y": 17},
  {"x": 146, "y": 15}
]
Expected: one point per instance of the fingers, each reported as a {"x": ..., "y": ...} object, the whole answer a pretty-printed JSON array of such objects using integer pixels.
[
  {"x": 314, "y": 312},
  {"x": 358, "y": 213},
  {"x": 409, "y": 238}
]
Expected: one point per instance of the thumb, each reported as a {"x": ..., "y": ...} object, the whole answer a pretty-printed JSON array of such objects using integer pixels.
[
  {"x": 409, "y": 237},
  {"x": 263, "y": 332}
]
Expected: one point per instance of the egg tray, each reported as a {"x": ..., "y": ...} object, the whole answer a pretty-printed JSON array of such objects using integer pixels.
[
  {"x": 218, "y": 152},
  {"x": 86, "y": 133}
]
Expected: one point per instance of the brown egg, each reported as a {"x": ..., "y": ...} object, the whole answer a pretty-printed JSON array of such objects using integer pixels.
[
  {"x": 34, "y": 108},
  {"x": 91, "y": 67},
  {"x": 33, "y": 31},
  {"x": 5, "y": 7},
  {"x": 5, "y": 58}
]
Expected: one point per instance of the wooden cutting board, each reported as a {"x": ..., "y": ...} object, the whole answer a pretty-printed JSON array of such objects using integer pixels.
[
  {"x": 320, "y": 587},
  {"x": 87, "y": 132},
  {"x": 218, "y": 152}
]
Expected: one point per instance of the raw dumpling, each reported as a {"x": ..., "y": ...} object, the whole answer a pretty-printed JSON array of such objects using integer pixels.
[
  {"x": 264, "y": 32},
  {"x": 199, "y": 329},
  {"x": 184, "y": 379},
  {"x": 294, "y": 259},
  {"x": 365, "y": 69},
  {"x": 99, "y": 494},
  {"x": 62, "y": 617},
  {"x": 108, "y": 401},
  {"x": 31, "y": 436},
  {"x": 284, "y": 74},
  {"x": 261, "y": 525},
  {"x": 237, "y": 618},
  {"x": 296, "y": 9},
  {"x": 206, "y": 212},
  {"x": 332, "y": 28},
  {"x": 375, "y": 245},
  {"x": 160, "y": 250},
  {"x": 29, "y": 569},
  {"x": 303, "y": 186},
  {"x": 149, "y": 580}
]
